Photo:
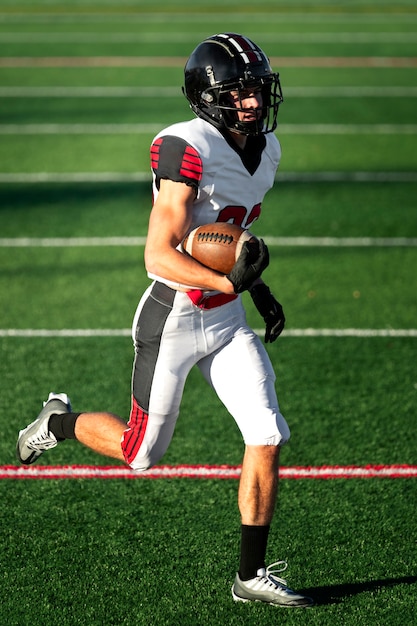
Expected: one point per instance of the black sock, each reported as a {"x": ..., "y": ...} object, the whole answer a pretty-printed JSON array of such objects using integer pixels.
[
  {"x": 62, "y": 425},
  {"x": 254, "y": 540}
]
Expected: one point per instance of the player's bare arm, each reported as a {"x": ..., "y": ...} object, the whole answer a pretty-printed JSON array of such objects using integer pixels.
[{"x": 169, "y": 222}]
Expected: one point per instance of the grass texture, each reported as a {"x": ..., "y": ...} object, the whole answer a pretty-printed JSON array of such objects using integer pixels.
[{"x": 93, "y": 552}]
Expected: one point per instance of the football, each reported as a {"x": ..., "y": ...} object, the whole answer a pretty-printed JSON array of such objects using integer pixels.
[{"x": 218, "y": 245}]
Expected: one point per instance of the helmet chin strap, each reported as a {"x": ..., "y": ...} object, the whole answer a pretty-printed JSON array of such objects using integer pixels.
[
  {"x": 246, "y": 128},
  {"x": 242, "y": 127}
]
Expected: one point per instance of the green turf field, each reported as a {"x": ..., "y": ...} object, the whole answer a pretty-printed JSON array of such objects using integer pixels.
[{"x": 84, "y": 86}]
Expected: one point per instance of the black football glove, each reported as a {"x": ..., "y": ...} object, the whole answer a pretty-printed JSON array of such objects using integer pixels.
[
  {"x": 252, "y": 261},
  {"x": 270, "y": 309}
]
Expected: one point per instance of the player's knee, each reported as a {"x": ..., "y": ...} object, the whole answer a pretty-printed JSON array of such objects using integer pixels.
[
  {"x": 142, "y": 456},
  {"x": 282, "y": 433},
  {"x": 279, "y": 439},
  {"x": 141, "y": 465},
  {"x": 146, "y": 459},
  {"x": 273, "y": 430}
]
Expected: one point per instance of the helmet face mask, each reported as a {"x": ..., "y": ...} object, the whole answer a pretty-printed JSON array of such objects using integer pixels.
[
  {"x": 228, "y": 63},
  {"x": 265, "y": 115}
]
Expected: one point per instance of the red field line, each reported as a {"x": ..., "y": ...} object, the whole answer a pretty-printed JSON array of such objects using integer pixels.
[
  {"x": 165, "y": 61},
  {"x": 202, "y": 471}
]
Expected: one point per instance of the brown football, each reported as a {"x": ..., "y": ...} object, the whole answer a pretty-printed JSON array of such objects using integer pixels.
[{"x": 217, "y": 245}]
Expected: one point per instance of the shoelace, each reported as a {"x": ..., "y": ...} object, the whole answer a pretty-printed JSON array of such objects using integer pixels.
[
  {"x": 273, "y": 570},
  {"x": 41, "y": 438}
]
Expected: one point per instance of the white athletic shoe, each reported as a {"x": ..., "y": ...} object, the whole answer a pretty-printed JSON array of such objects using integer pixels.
[
  {"x": 36, "y": 438},
  {"x": 269, "y": 588}
]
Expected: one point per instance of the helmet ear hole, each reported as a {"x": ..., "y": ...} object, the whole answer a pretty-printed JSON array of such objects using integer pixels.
[
  {"x": 228, "y": 62},
  {"x": 207, "y": 97}
]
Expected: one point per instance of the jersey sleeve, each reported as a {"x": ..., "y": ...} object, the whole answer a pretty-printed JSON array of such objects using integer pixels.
[{"x": 174, "y": 159}]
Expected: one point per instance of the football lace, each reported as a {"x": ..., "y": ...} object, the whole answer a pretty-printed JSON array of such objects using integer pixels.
[{"x": 211, "y": 236}]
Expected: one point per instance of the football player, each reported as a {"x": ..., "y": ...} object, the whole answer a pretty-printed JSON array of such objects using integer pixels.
[{"x": 216, "y": 167}]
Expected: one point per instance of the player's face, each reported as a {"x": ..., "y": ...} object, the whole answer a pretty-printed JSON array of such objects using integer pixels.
[{"x": 249, "y": 104}]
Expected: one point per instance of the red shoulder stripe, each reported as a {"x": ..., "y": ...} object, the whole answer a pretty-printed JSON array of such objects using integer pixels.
[
  {"x": 155, "y": 148},
  {"x": 191, "y": 165}
]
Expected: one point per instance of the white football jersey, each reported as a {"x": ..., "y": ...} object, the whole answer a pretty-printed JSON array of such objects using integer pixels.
[{"x": 230, "y": 183}]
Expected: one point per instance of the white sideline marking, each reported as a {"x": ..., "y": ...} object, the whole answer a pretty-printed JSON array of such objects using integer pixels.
[
  {"x": 326, "y": 472},
  {"x": 295, "y": 332},
  {"x": 134, "y": 177},
  {"x": 172, "y": 92},
  {"x": 332, "y": 242},
  {"x": 139, "y": 129}
]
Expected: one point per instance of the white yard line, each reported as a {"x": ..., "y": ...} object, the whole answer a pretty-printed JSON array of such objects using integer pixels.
[
  {"x": 126, "y": 332},
  {"x": 152, "y": 128},
  {"x": 196, "y": 17},
  {"x": 80, "y": 129},
  {"x": 347, "y": 129},
  {"x": 320, "y": 242},
  {"x": 98, "y": 91},
  {"x": 75, "y": 177},
  {"x": 70, "y": 242},
  {"x": 178, "y": 36},
  {"x": 135, "y": 177},
  {"x": 342, "y": 242}
]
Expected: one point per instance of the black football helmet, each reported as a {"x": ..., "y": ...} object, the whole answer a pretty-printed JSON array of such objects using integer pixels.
[{"x": 229, "y": 62}]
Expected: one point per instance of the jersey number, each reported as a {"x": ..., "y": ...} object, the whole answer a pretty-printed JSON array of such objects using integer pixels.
[{"x": 237, "y": 214}]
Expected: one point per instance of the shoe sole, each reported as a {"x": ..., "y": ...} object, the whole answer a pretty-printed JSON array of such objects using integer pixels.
[{"x": 308, "y": 604}]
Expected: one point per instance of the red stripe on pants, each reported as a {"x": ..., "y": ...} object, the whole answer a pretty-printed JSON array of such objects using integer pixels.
[{"x": 135, "y": 432}]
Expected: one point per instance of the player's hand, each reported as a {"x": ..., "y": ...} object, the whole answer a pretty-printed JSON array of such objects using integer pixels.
[
  {"x": 252, "y": 261},
  {"x": 270, "y": 309}
]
